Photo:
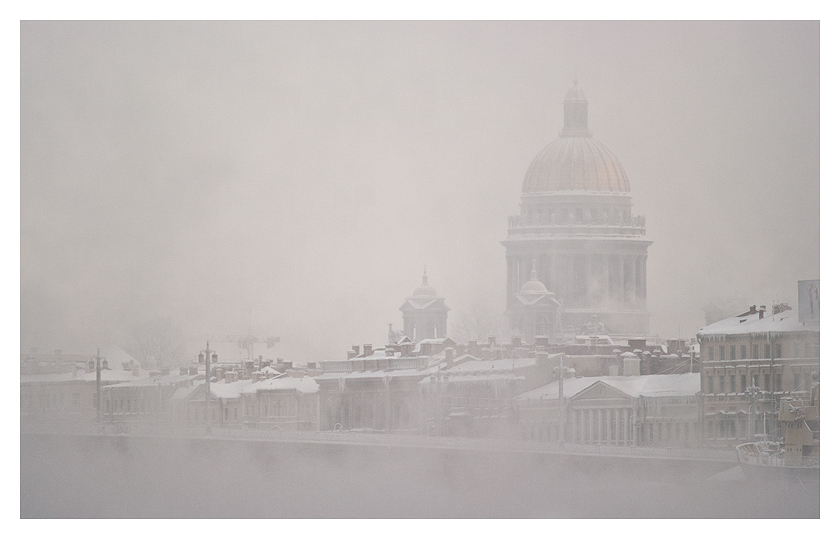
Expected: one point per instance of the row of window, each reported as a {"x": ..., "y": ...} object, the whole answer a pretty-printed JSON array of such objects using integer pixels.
[
  {"x": 575, "y": 216},
  {"x": 733, "y": 352},
  {"x": 737, "y": 383},
  {"x": 732, "y": 428},
  {"x": 756, "y": 349}
]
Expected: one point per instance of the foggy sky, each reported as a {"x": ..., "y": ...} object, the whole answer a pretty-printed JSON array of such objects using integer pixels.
[{"x": 308, "y": 171}]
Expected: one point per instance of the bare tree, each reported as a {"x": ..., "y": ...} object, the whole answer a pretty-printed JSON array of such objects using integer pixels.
[
  {"x": 476, "y": 322},
  {"x": 157, "y": 342}
]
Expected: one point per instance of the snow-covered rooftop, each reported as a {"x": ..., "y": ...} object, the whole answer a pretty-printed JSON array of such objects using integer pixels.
[
  {"x": 169, "y": 379},
  {"x": 753, "y": 323},
  {"x": 305, "y": 384},
  {"x": 107, "y": 375},
  {"x": 229, "y": 391},
  {"x": 492, "y": 365},
  {"x": 371, "y": 374}
]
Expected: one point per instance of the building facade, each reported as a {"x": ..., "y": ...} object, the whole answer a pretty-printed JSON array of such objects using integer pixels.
[
  {"x": 750, "y": 362},
  {"x": 577, "y": 227},
  {"x": 424, "y": 313}
]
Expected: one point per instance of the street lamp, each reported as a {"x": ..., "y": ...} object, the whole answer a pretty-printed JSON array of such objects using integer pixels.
[
  {"x": 753, "y": 393},
  {"x": 101, "y": 363},
  {"x": 561, "y": 423},
  {"x": 205, "y": 357}
]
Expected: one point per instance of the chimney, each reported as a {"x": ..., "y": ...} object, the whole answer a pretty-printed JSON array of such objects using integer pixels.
[
  {"x": 425, "y": 348},
  {"x": 183, "y": 370},
  {"x": 356, "y": 350},
  {"x": 231, "y": 376},
  {"x": 450, "y": 356},
  {"x": 761, "y": 311},
  {"x": 389, "y": 351},
  {"x": 632, "y": 366},
  {"x": 516, "y": 341},
  {"x": 368, "y": 349},
  {"x": 351, "y": 354},
  {"x": 473, "y": 347},
  {"x": 405, "y": 349},
  {"x": 541, "y": 340},
  {"x": 491, "y": 341}
]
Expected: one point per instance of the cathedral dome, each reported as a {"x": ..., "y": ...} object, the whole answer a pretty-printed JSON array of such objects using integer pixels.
[{"x": 575, "y": 161}]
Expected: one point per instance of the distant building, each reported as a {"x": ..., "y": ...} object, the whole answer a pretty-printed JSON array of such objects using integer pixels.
[
  {"x": 774, "y": 353},
  {"x": 424, "y": 313},
  {"x": 576, "y": 223},
  {"x": 653, "y": 411},
  {"x": 534, "y": 311}
]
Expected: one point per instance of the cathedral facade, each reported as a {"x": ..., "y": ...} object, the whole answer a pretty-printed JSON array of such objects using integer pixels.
[{"x": 577, "y": 231}]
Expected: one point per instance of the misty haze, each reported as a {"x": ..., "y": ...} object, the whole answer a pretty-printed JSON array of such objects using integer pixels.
[{"x": 420, "y": 269}]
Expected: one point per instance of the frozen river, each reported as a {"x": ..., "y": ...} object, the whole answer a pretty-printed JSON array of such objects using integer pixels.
[{"x": 115, "y": 477}]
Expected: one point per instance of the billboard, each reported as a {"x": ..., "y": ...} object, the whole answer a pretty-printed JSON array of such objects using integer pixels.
[{"x": 809, "y": 301}]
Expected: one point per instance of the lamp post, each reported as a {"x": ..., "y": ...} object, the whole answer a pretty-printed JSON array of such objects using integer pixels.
[
  {"x": 561, "y": 423},
  {"x": 101, "y": 363},
  {"x": 205, "y": 357},
  {"x": 753, "y": 393}
]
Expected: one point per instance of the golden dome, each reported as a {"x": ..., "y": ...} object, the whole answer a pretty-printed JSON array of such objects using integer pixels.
[{"x": 575, "y": 161}]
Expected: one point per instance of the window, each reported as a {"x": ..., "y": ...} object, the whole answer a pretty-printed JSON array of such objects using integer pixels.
[
  {"x": 732, "y": 383},
  {"x": 723, "y": 353},
  {"x": 796, "y": 382},
  {"x": 732, "y": 352},
  {"x": 722, "y": 388},
  {"x": 710, "y": 385},
  {"x": 755, "y": 351},
  {"x": 743, "y": 383},
  {"x": 767, "y": 350},
  {"x": 711, "y": 353},
  {"x": 743, "y": 351},
  {"x": 778, "y": 382},
  {"x": 778, "y": 350},
  {"x": 766, "y": 382}
]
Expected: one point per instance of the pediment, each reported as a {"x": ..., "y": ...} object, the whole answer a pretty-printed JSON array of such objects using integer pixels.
[{"x": 600, "y": 391}]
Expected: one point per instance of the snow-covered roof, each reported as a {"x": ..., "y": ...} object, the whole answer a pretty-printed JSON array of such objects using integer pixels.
[
  {"x": 471, "y": 378},
  {"x": 492, "y": 365},
  {"x": 305, "y": 384},
  {"x": 653, "y": 385},
  {"x": 752, "y": 323},
  {"x": 229, "y": 391},
  {"x": 182, "y": 392},
  {"x": 371, "y": 374},
  {"x": 169, "y": 379},
  {"x": 107, "y": 375}
]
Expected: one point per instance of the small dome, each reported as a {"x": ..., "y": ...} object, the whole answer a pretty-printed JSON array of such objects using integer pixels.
[
  {"x": 534, "y": 286},
  {"x": 424, "y": 290}
]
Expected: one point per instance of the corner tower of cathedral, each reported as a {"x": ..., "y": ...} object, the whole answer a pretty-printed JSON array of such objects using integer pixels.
[{"x": 577, "y": 228}]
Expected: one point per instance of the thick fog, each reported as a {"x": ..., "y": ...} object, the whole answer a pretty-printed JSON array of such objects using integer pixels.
[
  {"x": 296, "y": 177},
  {"x": 136, "y": 477}
]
